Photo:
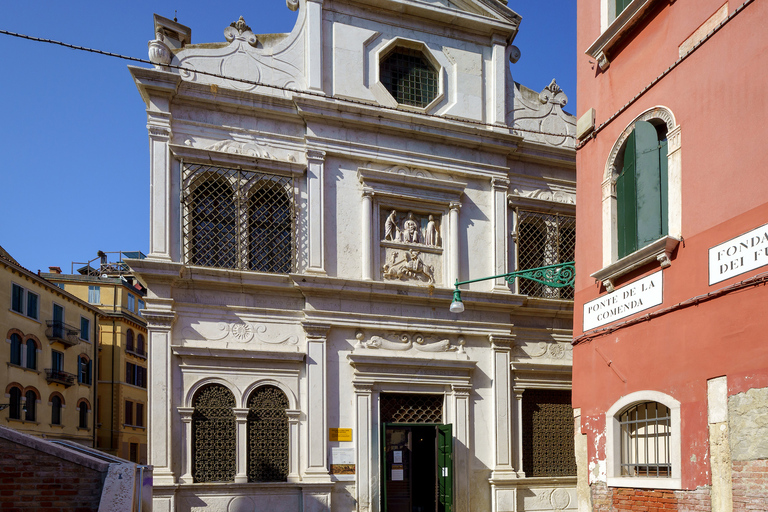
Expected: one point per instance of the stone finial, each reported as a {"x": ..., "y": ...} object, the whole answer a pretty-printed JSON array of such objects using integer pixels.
[
  {"x": 159, "y": 53},
  {"x": 553, "y": 94},
  {"x": 292, "y": 4},
  {"x": 239, "y": 30}
]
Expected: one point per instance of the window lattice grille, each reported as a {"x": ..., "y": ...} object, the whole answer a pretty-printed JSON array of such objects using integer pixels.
[
  {"x": 548, "y": 433},
  {"x": 645, "y": 443},
  {"x": 214, "y": 441},
  {"x": 409, "y": 77},
  {"x": 406, "y": 408},
  {"x": 238, "y": 219},
  {"x": 544, "y": 239},
  {"x": 267, "y": 435}
]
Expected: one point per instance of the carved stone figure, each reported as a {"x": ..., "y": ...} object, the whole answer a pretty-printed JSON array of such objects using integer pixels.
[
  {"x": 409, "y": 267},
  {"x": 430, "y": 237},
  {"x": 390, "y": 227},
  {"x": 410, "y": 229}
]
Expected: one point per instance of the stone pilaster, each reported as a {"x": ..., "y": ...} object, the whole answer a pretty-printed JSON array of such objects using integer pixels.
[{"x": 317, "y": 403}]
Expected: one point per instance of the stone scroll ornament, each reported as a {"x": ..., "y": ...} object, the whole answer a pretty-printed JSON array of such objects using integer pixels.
[{"x": 405, "y": 342}]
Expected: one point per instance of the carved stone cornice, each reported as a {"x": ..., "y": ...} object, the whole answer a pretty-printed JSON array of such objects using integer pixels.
[
  {"x": 315, "y": 155},
  {"x": 502, "y": 341},
  {"x": 159, "y": 319},
  {"x": 316, "y": 331},
  {"x": 363, "y": 388},
  {"x": 461, "y": 391},
  {"x": 499, "y": 183},
  {"x": 186, "y": 413}
]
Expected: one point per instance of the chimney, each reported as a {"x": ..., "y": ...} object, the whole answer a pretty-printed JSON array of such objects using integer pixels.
[{"x": 54, "y": 270}]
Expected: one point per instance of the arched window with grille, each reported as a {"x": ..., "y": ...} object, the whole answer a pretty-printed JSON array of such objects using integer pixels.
[
  {"x": 213, "y": 233},
  {"x": 269, "y": 228},
  {"x": 267, "y": 435},
  {"x": 214, "y": 439}
]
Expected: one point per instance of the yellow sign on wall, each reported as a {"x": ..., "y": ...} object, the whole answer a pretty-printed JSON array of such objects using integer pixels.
[{"x": 340, "y": 434}]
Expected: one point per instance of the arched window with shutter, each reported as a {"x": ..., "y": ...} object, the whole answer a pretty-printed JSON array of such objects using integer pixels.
[
  {"x": 214, "y": 439},
  {"x": 641, "y": 189},
  {"x": 267, "y": 435},
  {"x": 16, "y": 349}
]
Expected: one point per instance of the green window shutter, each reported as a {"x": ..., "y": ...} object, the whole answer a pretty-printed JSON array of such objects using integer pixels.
[
  {"x": 664, "y": 188},
  {"x": 648, "y": 184},
  {"x": 445, "y": 467},
  {"x": 626, "y": 201},
  {"x": 621, "y": 5}
]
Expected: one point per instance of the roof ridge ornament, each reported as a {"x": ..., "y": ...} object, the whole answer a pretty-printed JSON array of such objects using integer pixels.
[
  {"x": 240, "y": 31},
  {"x": 553, "y": 94}
]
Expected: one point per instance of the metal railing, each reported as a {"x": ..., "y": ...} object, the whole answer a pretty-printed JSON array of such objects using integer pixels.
[
  {"x": 59, "y": 376},
  {"x": 63, "y": 333},
  {"x": 109, "y": 266}
]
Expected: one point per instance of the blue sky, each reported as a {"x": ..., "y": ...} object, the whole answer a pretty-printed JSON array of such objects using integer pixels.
[{"x": 75, "y": 167}]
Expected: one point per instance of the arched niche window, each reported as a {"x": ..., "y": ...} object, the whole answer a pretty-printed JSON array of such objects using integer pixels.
[
  {"x": 267, "y": 435},
  {"x": 213, "y": 233},
  {"x": 16, "y": 349},
  {"x": 84, "y": 369},
  {"x": 14, "y": 395},
  {"x": 31, "y": 361},
  {"x": 269, "y": 228},
  {"x": 56, "y": 404},
  {"x": 83, "y": 409},
  {"x": 214, "y": 440},
  {"x": 641, "y": 188},
  {"x": 30, "y": 405},
  {"x": 129, "y": 345}
]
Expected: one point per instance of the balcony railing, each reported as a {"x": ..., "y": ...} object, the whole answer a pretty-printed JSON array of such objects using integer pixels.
[
  {"x": 59, "y": 376},
  {"x": 63, "y": 333}
]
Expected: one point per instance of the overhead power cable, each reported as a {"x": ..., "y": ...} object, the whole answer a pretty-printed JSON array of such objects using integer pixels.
[{"x": 270, "y": 86}]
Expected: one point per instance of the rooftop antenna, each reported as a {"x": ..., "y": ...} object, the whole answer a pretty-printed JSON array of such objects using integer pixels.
[{"x": 174, "y": 15}]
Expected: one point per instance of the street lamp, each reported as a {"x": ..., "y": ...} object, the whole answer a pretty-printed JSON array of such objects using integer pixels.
[{"x": 556, "y": 276}]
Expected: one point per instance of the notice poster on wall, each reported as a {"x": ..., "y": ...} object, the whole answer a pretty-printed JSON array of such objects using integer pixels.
[
  {"x": 397, "y": 457},
  {"x": 397, "y": 473}
]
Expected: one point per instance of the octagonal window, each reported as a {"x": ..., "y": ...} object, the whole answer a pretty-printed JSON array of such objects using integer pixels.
[{"x": 409, "y": 77}]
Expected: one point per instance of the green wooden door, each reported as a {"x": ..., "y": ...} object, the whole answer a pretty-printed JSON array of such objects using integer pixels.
[{"x": 444, "y": 468}]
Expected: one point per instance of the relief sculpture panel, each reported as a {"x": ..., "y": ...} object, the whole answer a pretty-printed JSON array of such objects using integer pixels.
[{"x": 411, "y": 247}]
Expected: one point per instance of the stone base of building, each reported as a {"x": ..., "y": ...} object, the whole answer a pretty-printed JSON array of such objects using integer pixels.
[{"x": 610, "y": 499}]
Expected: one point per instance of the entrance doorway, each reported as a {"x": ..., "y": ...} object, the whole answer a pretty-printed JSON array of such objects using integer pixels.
[{"x": 417, "y": 461}]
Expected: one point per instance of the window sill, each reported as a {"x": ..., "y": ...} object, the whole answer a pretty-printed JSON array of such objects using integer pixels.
[
  {"x": 645, "y": 483},
  {"x": 660, "y": 251},
  {"x": 136, "y": 354},
  {"x": 616, "y": 31},
  {"x": 23, "y": 315},
  {"x": 26, "y": 422},
  {"x": 126, "y": 425},
  {"x": 11, "y": 365}
]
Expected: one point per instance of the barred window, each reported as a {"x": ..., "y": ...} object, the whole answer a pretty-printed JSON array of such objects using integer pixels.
[
  {"x": 267, "y": 435},
  {"x": 238, "y": 219},
  {"x": 645, "y": 446},
  {"x": 214, "y": 439},
  {"x": 548, "y": 433},
  {"x": 409, "y": 77},
  {"x": 544, "y": 239}
]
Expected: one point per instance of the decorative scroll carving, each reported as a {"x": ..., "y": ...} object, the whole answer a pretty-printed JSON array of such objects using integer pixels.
[
  {"x": 239, "y": 30},
  {"x": 408, "y": 171},
  {"x": 557, "y": 196},
  {"x": 532, "y": 112},
  {"x": 405, "y": 341},
  {"x": 239, "y": 148},
  {"x": 543, "y": 349},
  {"x": 242, "y": 332},
  {"x": 408, "y": 267}
]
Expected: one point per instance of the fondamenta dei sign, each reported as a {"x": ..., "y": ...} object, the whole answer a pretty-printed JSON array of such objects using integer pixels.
[
  {"x": 643, "y": 294},
  {"x": 738, "y": 255}
]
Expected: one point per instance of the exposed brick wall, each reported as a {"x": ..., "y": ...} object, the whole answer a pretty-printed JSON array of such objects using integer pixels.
[
  {"x": 602, "y": 497},
  {"x": 607, "y": 499},
  {"x": 694, "y": 501},
  {"x": 34, "y": 480},
  {"x": 750, "y": 485}
]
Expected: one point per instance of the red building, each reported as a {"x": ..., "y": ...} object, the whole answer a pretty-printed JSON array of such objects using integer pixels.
[{"x": 670, "y": 373}]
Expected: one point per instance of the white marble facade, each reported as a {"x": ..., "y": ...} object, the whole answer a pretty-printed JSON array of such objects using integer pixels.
[{"x": 393, "y": 203}]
